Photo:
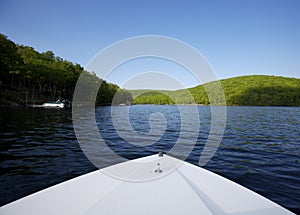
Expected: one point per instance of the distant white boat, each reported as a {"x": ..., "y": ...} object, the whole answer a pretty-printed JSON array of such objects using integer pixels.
[
  {"x": 57, "y": 104},
  {"x": 149, "y": 185}
]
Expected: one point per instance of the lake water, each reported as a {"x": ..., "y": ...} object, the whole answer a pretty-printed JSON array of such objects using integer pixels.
[{"x": 259, "y": 150}]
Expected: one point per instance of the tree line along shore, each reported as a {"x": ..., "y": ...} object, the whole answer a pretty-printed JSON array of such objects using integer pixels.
[
  {"x": 27, "y": 76},
  {"x": 252, "y": 90}
]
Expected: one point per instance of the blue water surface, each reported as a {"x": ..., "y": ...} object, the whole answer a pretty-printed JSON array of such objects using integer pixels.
[{"x": 259, "y": 149}]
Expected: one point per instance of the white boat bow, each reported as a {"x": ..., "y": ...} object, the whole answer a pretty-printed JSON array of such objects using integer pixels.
[{"x": 148, "y": 185}]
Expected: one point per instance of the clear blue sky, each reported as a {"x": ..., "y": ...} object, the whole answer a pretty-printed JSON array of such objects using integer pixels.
[{"x": 236, "y": 37}]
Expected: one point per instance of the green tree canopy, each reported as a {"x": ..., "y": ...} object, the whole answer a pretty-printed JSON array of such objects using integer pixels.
[{"x": 33, "y": 76}]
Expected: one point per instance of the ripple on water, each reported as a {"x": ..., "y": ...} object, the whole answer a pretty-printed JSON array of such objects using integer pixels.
[{"x": 259, "y": 150}]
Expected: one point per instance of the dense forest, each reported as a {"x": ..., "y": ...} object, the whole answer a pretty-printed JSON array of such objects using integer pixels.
[
  {"x": 27, "y": 76},
  {"x": 254, "y": 90}
]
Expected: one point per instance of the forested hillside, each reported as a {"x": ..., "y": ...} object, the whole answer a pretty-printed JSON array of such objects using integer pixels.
[
  {"x": 262, "y": 91},
  {"x": 255, "y": 90},
  {"x": 27, "y": 76}
]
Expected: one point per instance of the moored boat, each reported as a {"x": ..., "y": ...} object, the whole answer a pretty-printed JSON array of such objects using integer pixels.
[
  {"x": 58, "y": 104},
  {"x": 54, "y": 105}
]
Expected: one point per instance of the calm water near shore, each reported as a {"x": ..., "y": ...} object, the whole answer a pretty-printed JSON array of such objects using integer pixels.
[{"x": 260, "y": 148}]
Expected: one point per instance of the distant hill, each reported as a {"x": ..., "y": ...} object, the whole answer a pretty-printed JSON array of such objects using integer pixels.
[
  {"x": 27, "y": 76},
  {"x": 253, "y": 90}
]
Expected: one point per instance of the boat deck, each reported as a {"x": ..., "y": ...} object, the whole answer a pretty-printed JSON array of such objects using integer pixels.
[{"x": 149, "y": 185}]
